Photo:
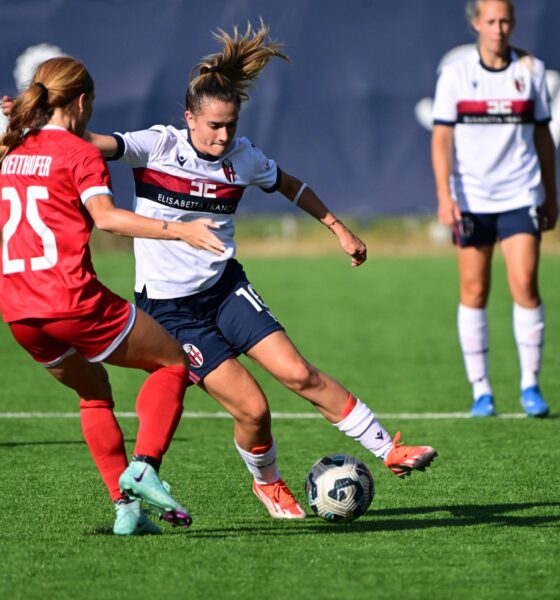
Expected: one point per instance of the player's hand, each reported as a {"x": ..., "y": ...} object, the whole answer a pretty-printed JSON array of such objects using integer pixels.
[
  {"x": 7, "y": 104},
  {"x": 198, "y": 234},
  {"x": 351, "y": 244},
  {"x": 448, "y": 212},
  {"x": 548, "y": 215}
]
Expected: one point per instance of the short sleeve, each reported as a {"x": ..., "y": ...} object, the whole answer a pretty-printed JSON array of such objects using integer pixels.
[
  {"x": 265, "y": 171},
  {"x": 138, "y": 146},
  {"x": 542, "y": 98},
  {"x": 91, "y": 174},
  {"x": 445, "y": 102}
]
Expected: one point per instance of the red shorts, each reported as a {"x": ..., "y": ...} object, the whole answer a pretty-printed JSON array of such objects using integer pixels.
[{"x": 94, "y": 336}]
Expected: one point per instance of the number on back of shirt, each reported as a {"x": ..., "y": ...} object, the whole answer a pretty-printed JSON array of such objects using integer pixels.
[{"x": 50, "y": 253}]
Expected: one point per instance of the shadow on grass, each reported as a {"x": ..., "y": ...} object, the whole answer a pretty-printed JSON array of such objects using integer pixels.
[
  {"x": 392, "y": 519},
  {"x": 466, "y": 515}
]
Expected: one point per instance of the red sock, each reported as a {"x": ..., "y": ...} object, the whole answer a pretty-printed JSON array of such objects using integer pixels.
[
  {"x": 159, "y": 407},
  {"x": 105, "y": 441},
  {"x": 349, "y": 406},
  {"x": 262, "y": 449}
]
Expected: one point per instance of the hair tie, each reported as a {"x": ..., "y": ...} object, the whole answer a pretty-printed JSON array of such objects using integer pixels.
[
  {"x": 42, "y": 86},
  {"x": 212, "y": 69}
]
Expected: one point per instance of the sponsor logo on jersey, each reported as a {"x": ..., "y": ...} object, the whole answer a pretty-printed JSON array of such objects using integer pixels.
[
  {"x": 195, "y": 355},
  {"x": 183, "y": 193},
  {"x": 228, "y": 169},
  {"x": 490, "y": 112},
  {"x": 181, "y": 159}
]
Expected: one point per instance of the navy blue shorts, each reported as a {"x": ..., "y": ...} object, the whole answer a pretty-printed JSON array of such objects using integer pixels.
[
  {"x": 481, "y": 229},
  {"x": 223, "y": 321}
]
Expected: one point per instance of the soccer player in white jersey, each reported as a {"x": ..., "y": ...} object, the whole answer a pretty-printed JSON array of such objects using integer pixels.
[
  {"x": 201, "y": 294},
  {"x": 494, "y": 165}
]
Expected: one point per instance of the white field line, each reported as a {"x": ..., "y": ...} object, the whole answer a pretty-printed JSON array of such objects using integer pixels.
[{"x": 275, "y": 415}]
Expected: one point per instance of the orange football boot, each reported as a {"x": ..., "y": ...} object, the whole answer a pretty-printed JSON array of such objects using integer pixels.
[
  {"x": 404, "y": 459},
  {"x": 278, "y": 499}
]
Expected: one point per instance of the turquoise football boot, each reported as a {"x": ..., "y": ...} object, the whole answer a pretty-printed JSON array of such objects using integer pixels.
[
  {"x": 131, "y": 519},
  {"x": 141, "y": 480}
]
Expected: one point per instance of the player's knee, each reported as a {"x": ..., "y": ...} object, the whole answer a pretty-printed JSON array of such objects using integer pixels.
[
  {"x": 302, "y": 376},
  {"x": 254, "y": 414},
  {"x": 474, "y": 294},
  {"x": 524, "y": 289}
]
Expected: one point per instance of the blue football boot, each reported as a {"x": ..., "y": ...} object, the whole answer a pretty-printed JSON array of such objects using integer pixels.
[
  {"x": 483, "y": 406},
  {"x": 533, "y": 403}
]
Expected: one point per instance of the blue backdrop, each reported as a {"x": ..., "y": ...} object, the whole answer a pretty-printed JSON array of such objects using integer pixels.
[{"x": 350, "y": 115}]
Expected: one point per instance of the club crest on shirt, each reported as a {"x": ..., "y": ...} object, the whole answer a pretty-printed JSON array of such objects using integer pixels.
[
  {"x": 519, "y": 83},
  {"x": 195, "y": 355},
  {"x": 228, "y": 169}
]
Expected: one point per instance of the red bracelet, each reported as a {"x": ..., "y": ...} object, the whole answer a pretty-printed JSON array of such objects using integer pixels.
[{"x": 331, "y": 225}]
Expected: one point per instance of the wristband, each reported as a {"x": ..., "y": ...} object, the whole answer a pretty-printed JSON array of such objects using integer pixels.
[
  {"x": 331, "y": 225},
  {"x": 298, "y": 195}
]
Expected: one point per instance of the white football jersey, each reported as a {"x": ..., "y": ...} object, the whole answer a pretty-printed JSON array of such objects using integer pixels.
[
  {"x": 493, "y": 112},
  {"x": 174, "y": 182}
]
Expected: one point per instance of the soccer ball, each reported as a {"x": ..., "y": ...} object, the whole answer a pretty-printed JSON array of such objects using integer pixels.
[{"x": 339, "y": 488}]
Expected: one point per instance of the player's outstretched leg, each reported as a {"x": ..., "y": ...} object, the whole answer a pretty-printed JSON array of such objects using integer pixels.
[
  {"x": 131, "y": 519},
  {"x": 278, "y": 500},
  {"x": 141, "y": 480},
  {"x": 402, "y": 460}
]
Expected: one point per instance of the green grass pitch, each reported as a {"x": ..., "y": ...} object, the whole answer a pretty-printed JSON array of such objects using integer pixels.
[{"x": 482, "y": 522}]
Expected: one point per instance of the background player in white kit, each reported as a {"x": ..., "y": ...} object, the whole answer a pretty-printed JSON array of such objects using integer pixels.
[
  {"x": 494, "y": 166},
  {"x": 203, "y": 296}
]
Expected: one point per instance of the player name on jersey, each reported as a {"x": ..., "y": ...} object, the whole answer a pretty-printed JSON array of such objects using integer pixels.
[
  {"x": 482, "y": 112},
  {"x": 187, "y": 194},
  {"x": 27, "y": 164}
]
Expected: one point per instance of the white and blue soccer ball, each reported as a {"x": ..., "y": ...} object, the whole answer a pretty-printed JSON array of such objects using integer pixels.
[{"x": 339, "y": 488}]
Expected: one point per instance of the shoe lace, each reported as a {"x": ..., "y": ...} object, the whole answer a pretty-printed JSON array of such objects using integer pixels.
[
  {"x": 282, "y": 494},
  {"x": 399, "y": 451}
]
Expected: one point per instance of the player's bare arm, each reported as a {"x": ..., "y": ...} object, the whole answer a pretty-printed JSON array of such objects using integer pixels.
[
  {"x": 442, "y": 161},
  {"x": 546, "y": 152},
  {"x": 308, "y": 201},
  {"x": 108, "y": 217},
  {"x": 107, "y": 144}
]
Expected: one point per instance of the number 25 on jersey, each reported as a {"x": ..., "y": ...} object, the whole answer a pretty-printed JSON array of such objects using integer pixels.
[{"x": 50, "y": 254}]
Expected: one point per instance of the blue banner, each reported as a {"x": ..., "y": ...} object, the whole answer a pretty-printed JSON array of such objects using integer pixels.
[{"x": 350, "y": 115}]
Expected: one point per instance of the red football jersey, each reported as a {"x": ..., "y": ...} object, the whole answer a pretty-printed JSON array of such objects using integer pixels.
[{"x": 45, "y": 268}]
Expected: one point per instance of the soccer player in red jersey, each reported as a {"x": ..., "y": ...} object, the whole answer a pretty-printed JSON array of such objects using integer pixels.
[
  {"x": 54, "y": 188},
  {"x": 494, "y": 166},
  {"x": 204, "y": 298}
]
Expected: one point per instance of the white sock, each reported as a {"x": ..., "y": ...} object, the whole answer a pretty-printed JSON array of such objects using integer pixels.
[
  {"x": 472, "y": 325},
  {"x": 261, "y": 466},
  {"x": 481, "y": 388},
  {"x": 361, "y": 425},
  {"x": 528, "y": 327}
]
